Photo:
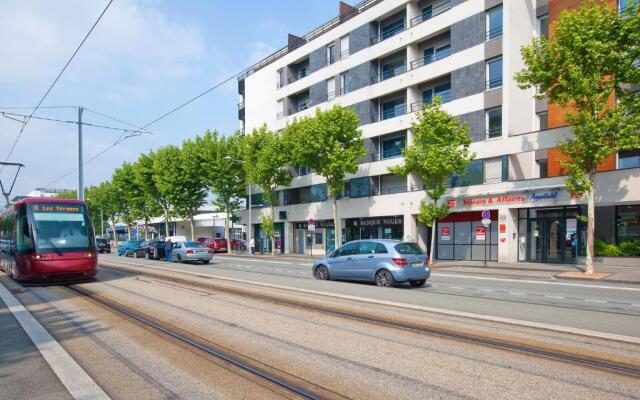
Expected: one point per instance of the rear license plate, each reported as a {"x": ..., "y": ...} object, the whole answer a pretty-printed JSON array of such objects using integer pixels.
[{"x": 416, "y": 265}]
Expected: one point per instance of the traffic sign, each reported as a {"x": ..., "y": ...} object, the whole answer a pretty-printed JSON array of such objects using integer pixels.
[
  {"x": 311, "y": 227},
  {"x": 311, "y": 221},
  {"x": 486, "y": 214},
  {"x": 481, "y": 233},
  {"x": 486, "y": 221}
]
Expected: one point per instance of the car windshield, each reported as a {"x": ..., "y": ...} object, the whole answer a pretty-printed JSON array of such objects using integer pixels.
[
  {"x": 192, "y": 245},
  {"x": 408, "y": 248},
  {"x": 101, "y": 241}
]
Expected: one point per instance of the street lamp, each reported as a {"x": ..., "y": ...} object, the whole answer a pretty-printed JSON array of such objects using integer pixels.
[{"x": 250, "y": 231}]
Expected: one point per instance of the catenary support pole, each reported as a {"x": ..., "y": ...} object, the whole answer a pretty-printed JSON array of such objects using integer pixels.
[
  {"x": 80, "y": 170},
  {"x": 250, "y": 230}
]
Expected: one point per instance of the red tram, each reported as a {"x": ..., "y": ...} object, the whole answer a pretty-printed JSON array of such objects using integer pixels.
[{"x": 44, "y": 240}]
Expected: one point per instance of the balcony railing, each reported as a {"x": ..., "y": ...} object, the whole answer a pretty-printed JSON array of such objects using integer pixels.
[
  {"x": 494, "y": 83},
  {"x": 427, "y": 14},
  {"x": 494, "y": 33},
  {"x": 394, "y": 112},
  {"x": 388, "y": 34},
  {"x": 384, "y": 155},
  {"x": 422, "y": 61},
  {"x": 241, "y": 105},
  {"x": 388, "y": 74},
  {"x": 331, "y": 95},
  {"x": 492, "y": 133},
  {"x": 344, "y": 54}
]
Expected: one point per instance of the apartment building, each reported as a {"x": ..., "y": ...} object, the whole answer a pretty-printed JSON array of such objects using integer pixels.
[{"x": 384, "y": 59}]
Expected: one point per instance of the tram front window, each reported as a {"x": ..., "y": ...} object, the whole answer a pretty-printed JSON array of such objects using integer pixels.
[{"x": 61, "y": 227}]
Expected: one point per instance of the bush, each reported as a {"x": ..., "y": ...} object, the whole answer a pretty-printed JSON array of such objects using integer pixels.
[
  {"x": 630, "y": 248},
  {"x": 605, "y": 249}
]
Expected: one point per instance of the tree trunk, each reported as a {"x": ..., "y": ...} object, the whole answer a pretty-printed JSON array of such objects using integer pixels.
[
  {"x": 166, "y": 222},
  {"x": 432, "y": 245},
  {"x": 146, "y": 229},
  {"x": 113, "y": 230},
  {"x": 336, "y": 222},
  {"x": 128, "y": 231},
  {"x": 273, "y": 233},
  {"x": 226, "y": 230},
  {"x": 193, "y": 237},
  {"x": 588, "y": 265}
]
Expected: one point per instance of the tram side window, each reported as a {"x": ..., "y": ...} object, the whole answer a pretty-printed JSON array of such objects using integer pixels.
[
  {"x": 24, "y": 239},
  {"x": 6, "y": 234}
]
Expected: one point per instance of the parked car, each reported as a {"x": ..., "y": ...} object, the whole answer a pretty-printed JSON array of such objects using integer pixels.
[
  {"x": 151, "y": 250},
  {"x": 201, "y": 240},
  {"x": 129, "y": 247},
  {"x": 385, "y": 262},
  {"x": 216, "y": 244},
  {"x": 176, "y": 239},
  {"x": 103, "y": 245},
  {"x": 191, "y": 251}
]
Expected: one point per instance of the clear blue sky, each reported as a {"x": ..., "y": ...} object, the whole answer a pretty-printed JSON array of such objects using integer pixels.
[{"x": 144, "y": 58}]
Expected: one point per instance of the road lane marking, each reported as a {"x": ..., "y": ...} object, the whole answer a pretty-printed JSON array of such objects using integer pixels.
[
  {"x": 254, "y": 260},
  {"x": 486, "y": 290},
  {"x": 482, "y": 317},
  {"x": 595, "y": 301},
  {"x": 517, "y": 293},
  {"x": 456, "y": 287},
  {"x": 485, "y": 278},
  {"x": 553, "y": 297},
  {"x": 72, "y": 376}
]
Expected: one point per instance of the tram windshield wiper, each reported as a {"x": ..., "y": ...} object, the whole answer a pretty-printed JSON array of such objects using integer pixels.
[{"x": 55, "y": 248}]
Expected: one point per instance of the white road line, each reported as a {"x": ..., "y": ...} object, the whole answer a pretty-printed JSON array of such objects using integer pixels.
[
  {"x": 456, "y": 287},
  {"x": 73, "y": 377},
  {"x": 637, "y": 305},
  {"x": 483, "y": 317},
  {"x": 553, "y": 297},
  {"x": 595, "y": 301},
  {"x": 486, "y": 290},
  {"x": 517, "y": 293},
  {"x": 254, "y": 260},
  {"x": 485, "y": 278}
]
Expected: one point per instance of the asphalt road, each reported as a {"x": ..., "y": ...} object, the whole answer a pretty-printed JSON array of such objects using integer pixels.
[
  {"x": 609, "y": 308},
  {"x": 350, "y": 358}
]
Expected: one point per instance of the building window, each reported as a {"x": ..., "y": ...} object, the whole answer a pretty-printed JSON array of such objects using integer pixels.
[
  {"x": 443, "y": 90},
  {"x": 436, "y": 53},
  {"x": 543, "y": 26},
  {"x": 302, "y": 171},
  {"x": 318, "y": 193},
  {"x": 280, "y": 78},
  {"x": 624, "y": 4},
  {"x": 360, "y": 187},
  {"x": 318, "y": 238},
  {"x": 494, "y": 122},
  {"x": 302, "y": 72},
  {"x": 331, "y": 54},
  {"x": 543, "y": 168},
  {"x": 493, "y": 170},
  {"x": 344, "y": 47},
  {"x": 494, "y": 72},
  {"x": 627, "y": 223},
  {"x": 543, "y": 120},
  {"x": 393, "y": 68},
  {"x": 393, "y": 108},
  {"x": 393, "y": 147},
  {"x": 344, "y": 85},
  {"x": 392, "y": 29},
  {"x": 629, "y": 159},
  {"x": 280, "y": 109},
  {"x": 331, "y": 88},
  {"x": 473, "y": 175},
  {"x": 494, "y": 23}
]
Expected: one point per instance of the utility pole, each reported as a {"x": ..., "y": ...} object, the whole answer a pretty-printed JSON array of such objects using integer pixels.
[
  {"x": 80, "y": 171},
  {"x": 250, "y": 225}
]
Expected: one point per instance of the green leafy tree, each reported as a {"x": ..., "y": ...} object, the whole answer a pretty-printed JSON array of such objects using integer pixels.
[
  {"x": 222, "y": 172},
  {"x": 331, "y": 144},
  {"x": 166, "y": 177},
  {"x": 440, "y": 148},
  {"x": 191, "y": 188},
  {"x": 585, "y": 66},
  {"x": 131, "y": 200},
  {"x": 94, "y": 212},
  {"x": 105, "y": 197},
  {"x": 154, "y": 204},
  {"x": 265, "y": 158}
]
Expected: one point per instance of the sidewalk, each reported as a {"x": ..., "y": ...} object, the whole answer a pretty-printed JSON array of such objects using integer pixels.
[{"x": 522, "y": 270}]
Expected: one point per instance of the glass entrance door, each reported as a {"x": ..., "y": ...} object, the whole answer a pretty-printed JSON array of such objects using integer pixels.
[{"x": 547, "y": 234}]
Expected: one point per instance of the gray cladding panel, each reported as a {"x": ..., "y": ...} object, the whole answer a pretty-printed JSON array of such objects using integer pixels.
[
  {"x": 468, "y": 33},
  {"x": 360, "y": 38},
  {"x": 366, "y": 110},
  {"x": 468, "y": 80},
  {"x": 361, "y": 75},
  {"x": 317, "y": 59},
  {"x": 318, "y": 93},
  {"x": 476, "y": 122}
]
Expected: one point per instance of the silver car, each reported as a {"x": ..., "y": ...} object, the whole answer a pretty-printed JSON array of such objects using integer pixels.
[
  {"x": 191, "y": 251},
  {"x": 385, "y": 262}
]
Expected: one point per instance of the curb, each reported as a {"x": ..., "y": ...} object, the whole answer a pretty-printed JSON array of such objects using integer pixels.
[{"x": 626, "y": 282}]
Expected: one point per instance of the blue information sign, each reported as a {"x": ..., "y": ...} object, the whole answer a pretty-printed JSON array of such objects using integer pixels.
[{"x": 486, "y": 214}]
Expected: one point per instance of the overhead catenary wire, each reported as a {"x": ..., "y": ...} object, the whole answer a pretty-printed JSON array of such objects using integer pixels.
[{"x": 13, "y": 146}]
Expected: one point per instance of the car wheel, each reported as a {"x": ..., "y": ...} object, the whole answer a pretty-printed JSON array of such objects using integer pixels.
[
  {"x": 148, "y": 255},
  {"x": 119, "y": 255},
  {"x": 135, "y": 254},
  {"x": 179, "y": 258},
  {"x": 205, "y": 262},
  {"x": 419, "y": 283},
  {"x": 322, "y": 273},
  {"x": 384, "y": 278}
]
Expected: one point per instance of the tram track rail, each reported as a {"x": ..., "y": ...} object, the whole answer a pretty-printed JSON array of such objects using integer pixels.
[
  {"x": 284, "y": 382},
  {"x": 583, "y": 360}
]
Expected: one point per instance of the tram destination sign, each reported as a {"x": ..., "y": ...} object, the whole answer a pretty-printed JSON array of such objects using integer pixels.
[{"x": 56, "y": 208}]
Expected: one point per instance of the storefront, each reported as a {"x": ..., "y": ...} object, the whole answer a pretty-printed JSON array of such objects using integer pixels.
[
  {"x": 264, "y": 244},
  {"x": 318, "y": 241},
  {"x": 462, "y": 236},
  {"x": 550, "y": 234},
  {"x": 375, "y": 228}
]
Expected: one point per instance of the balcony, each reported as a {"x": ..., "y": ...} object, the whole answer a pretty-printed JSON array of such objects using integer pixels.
[
  {"x": 429, "y": 12},
  {"x": 440, "y": 53}
]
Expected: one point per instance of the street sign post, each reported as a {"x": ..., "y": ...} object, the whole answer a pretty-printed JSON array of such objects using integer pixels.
[{"x": 486, "y": 221}]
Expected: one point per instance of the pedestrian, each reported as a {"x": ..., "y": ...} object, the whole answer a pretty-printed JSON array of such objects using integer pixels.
[
  {"x": 252, "y": 244},
  {"x": 168, "y": 248}
]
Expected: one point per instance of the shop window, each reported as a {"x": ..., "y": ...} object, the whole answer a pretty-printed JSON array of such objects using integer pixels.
[
  {"x": 629, "y": 159},
  {"x": 627, "y": 223},
  {"x": 318, "y": 238}
]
